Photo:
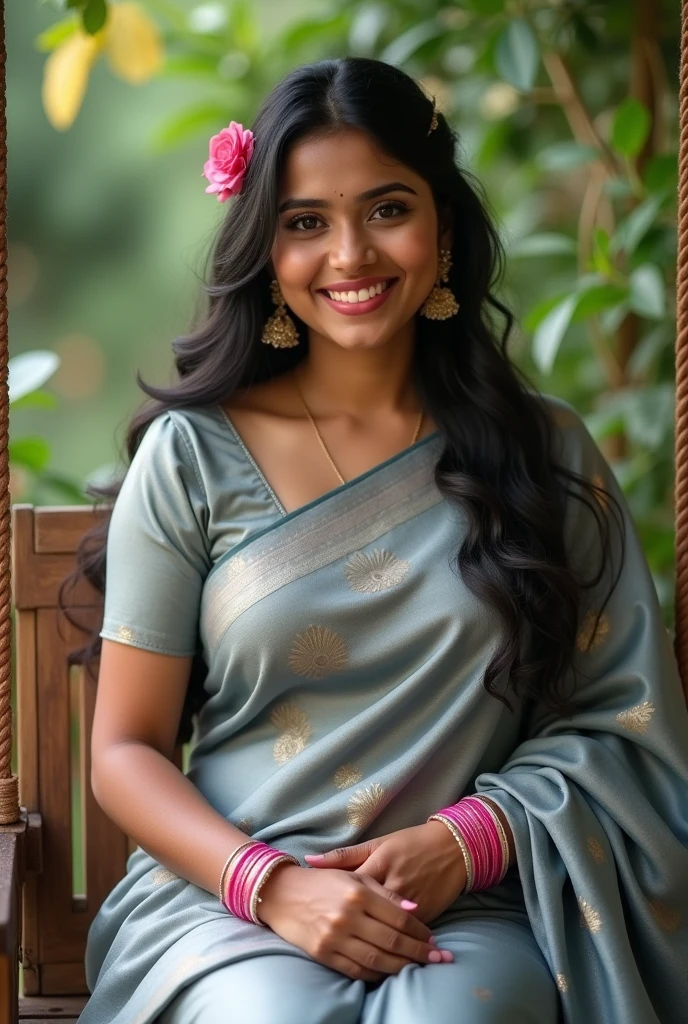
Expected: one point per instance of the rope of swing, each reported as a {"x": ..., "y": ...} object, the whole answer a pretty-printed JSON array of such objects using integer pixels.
[
  {"x": 681, "y": 436},
  {"x": 9, "y": 784}
]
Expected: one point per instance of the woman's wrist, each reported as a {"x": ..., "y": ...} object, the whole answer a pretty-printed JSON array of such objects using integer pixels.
[
  {"x": 281, "y": 879},
  {"x": 453, "y": 862}
]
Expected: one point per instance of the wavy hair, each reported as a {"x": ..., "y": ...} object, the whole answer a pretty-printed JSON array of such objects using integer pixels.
[{"x": 498, "y": 464}]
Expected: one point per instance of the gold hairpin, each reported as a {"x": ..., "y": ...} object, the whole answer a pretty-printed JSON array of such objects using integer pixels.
[{"x": 433, "y": 122}]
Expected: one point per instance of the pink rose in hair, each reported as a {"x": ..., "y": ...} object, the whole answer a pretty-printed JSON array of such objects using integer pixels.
[{"x": 230, "y": 152}]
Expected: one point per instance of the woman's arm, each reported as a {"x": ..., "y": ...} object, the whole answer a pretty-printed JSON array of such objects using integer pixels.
[
  {"x": 350, "y": 925},
  {"x": 138, "y": 708}
]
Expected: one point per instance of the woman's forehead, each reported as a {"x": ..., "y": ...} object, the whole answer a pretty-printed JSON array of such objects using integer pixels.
[{"x": 347, "y": 161}]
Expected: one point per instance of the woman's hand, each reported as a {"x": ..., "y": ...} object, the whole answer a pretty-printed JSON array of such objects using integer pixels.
[
  {"x": 424, "y": 863},
  {"x": 347, "y": 922}
]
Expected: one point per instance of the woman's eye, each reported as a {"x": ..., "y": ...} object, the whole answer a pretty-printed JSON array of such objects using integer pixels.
[
  {"x": 304, "y": 222},
  {"x": 391, "y": 209},
  {"x": 308, "y": 221}
]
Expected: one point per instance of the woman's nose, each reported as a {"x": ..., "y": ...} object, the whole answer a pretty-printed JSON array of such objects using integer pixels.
[{"x": 351, "y": 250}]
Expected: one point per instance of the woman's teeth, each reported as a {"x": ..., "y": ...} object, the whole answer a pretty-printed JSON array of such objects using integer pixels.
[{"x": 361, "y": 295}]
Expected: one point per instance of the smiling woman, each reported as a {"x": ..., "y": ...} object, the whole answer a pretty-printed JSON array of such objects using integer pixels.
[{"x": 403, "y": 597}]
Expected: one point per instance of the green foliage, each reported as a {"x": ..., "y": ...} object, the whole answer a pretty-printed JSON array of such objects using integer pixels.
[
  {"x": 518, "y": 55},
  {"x": 28, "y": 373}
]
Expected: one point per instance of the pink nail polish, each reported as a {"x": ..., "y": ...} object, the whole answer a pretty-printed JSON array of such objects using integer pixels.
[
  {"x": 408, "y": 905},
  {"x": 432, "y": 940},
  {"x": 435, "y": 957},
  {"x": 447, "y": 956}
]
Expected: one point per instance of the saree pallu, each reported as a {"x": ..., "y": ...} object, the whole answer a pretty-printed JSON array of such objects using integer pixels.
[{"x": 346, "y": 661}]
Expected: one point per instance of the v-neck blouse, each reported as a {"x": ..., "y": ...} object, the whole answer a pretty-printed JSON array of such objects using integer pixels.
[{"x": 192, "y": 493}]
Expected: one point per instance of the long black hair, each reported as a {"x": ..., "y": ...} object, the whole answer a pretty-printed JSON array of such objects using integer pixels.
[{"x": 498, "y": 463}]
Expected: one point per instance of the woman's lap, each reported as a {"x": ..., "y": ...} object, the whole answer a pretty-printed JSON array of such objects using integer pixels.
[{"x": 498, "y": 974}]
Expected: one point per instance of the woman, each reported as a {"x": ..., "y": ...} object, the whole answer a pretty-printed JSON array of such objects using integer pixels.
[{"x": 402, "y": 583}]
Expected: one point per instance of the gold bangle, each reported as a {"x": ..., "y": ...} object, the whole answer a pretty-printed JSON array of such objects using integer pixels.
[
  {"x": 504, "y": 842},
  {"x": 467, "y": 859},
  {"x": 225, "y": 869},
  {"x": 255, "y": 897}
]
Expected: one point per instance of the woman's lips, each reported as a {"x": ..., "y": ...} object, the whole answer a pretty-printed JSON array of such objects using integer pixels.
[{"x": 358, "y": 308}]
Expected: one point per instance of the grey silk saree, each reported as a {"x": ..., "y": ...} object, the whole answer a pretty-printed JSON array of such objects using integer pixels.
[{"x": 346, "y": 700}]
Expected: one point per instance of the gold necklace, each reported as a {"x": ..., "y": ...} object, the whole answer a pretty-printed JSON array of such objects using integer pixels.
[{"x": 416, "y": 432}]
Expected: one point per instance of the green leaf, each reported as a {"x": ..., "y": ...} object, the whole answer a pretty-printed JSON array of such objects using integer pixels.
[
  {"x": 547, "y": 243},
  {"x": 648, "y": 351},
  {"x": 649, "y": 414},
  {"x": 313, "y": 30},
  {"x": 31, "y": 452},
  {"x": 30, "y": 371},
  {"x": 518, "y": 55},
  {"x": 648, "y": 291},
  {"x": 56, "y": 34},
  {"x": 631, "y": 127},
  {"x": 36, "y": 400},
  {"x": 562, "y": 156},
  {"x": 661, "y": 173},
  {"x": 366, "y": 28},
  {"x": 635, "y": 226},
  {"x": 244, "y": 28},
  {"x": 537, "y": 314},
  {"x": 598, "y": 299},
  {"x": 189, "y": 64},
  {"x": 405, "y": 45},
  {"x": 94, "y": 16},
  {"x": 600, "y": 251},
  {"x": 191, "y": 122},
  {"x": 550, "y": 333}
]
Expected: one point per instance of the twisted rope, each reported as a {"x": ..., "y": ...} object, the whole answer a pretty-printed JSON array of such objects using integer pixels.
[
  {"x": 681, "y": 442},
  {"x": 9, "y": 788}
]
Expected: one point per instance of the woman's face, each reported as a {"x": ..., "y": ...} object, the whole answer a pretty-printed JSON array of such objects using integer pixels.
[{"x": 356, "y": 245}]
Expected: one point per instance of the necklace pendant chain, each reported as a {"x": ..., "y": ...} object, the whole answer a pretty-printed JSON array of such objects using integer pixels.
[{"x": 324, "y": 446}]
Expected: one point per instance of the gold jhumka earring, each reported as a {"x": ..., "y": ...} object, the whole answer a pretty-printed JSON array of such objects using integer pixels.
[
  {"x": 279, "y": 329},
  {"x": 441, "y": 303}
]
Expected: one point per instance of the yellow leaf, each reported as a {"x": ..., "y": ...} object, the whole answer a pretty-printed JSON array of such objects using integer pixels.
[
  {"x": 132, "y": 43},
  {"x": 65, "y": 78}
]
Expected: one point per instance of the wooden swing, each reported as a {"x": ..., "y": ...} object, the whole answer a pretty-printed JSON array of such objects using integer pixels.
[{"x": 43, "y": 922}]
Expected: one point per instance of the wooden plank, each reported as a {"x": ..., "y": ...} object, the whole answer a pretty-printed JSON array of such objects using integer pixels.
[
  {"x": 11, "y": 873},
  {"x": 27, "y": 740},
  {"x": 58, "y": 530},
  {"x": 47, "y": 1020},
  {"x": 38, "y": 583},
  {"x": 27, "y": 737},
  {"x": 62, "y": 933},
  {"x": 106, "y": 845},
  {"x": 22, "y": 545},
  {"x": 51, "y": 1007},
  {"x": 64, "y": 979}
]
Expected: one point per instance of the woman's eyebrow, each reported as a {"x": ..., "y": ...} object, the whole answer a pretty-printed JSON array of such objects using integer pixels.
[{"x": 372, "y": 193}]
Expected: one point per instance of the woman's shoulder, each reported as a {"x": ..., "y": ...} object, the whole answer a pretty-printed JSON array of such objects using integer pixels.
[
  {"x": 193, "y": 431},
  {"x": 573, "y": 442}
]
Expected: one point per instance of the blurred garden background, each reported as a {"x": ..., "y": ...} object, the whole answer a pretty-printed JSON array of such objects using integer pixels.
[{"x": 565, "y": 109}]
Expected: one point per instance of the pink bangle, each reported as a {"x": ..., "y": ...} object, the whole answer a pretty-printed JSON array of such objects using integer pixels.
[
  {"x": 246, "y": 870},
  {"x": 480, "y": 834}
]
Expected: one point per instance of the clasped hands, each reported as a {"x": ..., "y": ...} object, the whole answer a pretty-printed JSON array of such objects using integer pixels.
[{"x": 422, "y": 864}]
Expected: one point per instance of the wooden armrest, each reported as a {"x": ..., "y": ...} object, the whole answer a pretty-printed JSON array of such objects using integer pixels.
[{"x": 11, "y": 877}]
